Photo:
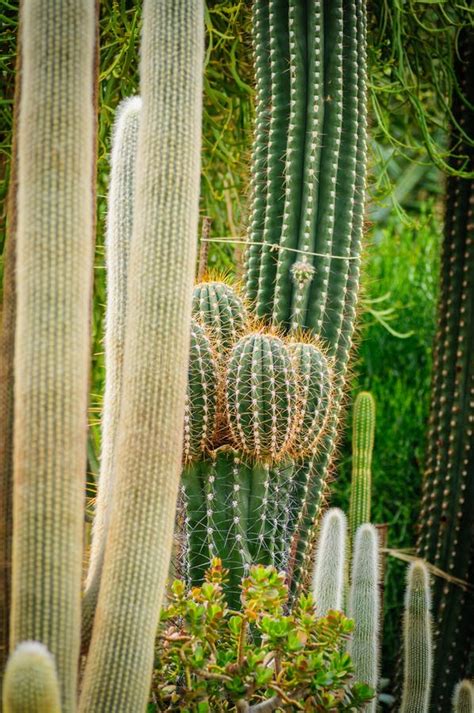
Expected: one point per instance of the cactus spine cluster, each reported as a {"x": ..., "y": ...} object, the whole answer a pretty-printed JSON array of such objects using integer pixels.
[
  {"x": 329, "y": 571},
  {"x": 306, "y": 225},
  {"x": 54, "y": 275},
  {"x": 463, "y": 697},
  {"x": 148, "y": 458},
  {"x": 118, "y": 237},
  {"x": 417, "y": 641},
  {"x": 446, "y": 537},
  {"x": 31, "y": 684},
  {"x": 363, "y": 430},
  {"x": 364, "y": 608},
  {"x": 254, "y": 411}
]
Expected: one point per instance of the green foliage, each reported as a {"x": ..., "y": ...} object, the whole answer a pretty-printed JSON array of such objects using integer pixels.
[{"x": 212, "y": 658}]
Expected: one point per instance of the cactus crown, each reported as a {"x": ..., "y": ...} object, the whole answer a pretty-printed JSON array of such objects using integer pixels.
[
  {"x": 221, "y": 312},
  {"x": 31, "y": 683}
]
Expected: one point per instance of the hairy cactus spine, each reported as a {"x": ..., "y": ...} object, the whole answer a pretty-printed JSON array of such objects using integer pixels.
[
  {"x": 363, "y": 430},
  {"x": 54, "y": 271},
  {"x": 31, "y": 683},
  {"x": 463, "y": 697},
  {"x": 446, "y": 536},
  {"x": 118, "y": 236},
  {"x": 162, "y": 262},
  {"x": 328, "y": 578},
  {"x": 364, "y": 608},
  {"x": 417, "y": 648}
]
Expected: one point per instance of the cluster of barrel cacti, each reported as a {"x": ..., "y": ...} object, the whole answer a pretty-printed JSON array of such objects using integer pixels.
[{"x": 257, "y": 405}]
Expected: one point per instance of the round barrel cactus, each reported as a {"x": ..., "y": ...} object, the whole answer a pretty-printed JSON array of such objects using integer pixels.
[
  {"x": 221, "y": 312},
  {"x": 314, "y": 380},
  {"x": 201, "y": 396},
  {"x": 261, "y": 396}
]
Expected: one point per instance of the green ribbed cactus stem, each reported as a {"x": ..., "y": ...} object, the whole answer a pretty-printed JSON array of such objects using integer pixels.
[
  {"x": 221, "y": 312},
  {"x": 417, "y": 643},
  {"x": 364, "y": 608},
  {"x": 363, "y": 431},
  {"x": 328, "y": 576},
  {"x": 261, "y": 397},
  {"x": 149, "y": 446},
  {"x": 446, "y": 534},
  {"x": 118, "y": 237},
  {"x": 344, "y": 268},
  {"x": 31, "y": 683},
  {"x": 200, "y": 413},
  {"x": 278, "y": 34},
  {"x": 54, "y": 276},
  {"x": 463, "y": 697},
  {"x": 260, "y": 21}
]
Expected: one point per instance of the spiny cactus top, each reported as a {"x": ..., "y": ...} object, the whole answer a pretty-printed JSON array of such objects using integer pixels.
[
  {"x": 261, "y": 396},
  {"x": 221, "y": 312},
  {"x": 31, "y": 684}
]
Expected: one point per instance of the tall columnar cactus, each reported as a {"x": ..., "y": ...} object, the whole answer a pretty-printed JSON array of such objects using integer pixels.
[
  {"x": 463, "y": 697},
  {"x": 329, "y": 570},
  {"x": 364, "y": 608},
  {"x": 150, "y": 435},
  {"x": 417, "y": 638},
  {"x": 363, "y": 431},
  {"x": 54, "y": 274},
  {"x": 7, "y": 348},
  {"x": 303, "y": 256},
  {"x": 31, "y": 683},
  {"x": 119, "y": 232},
  {"x": 446, "y": 535}
]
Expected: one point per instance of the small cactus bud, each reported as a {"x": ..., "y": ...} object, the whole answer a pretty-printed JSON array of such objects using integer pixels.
[{"x": 221, "y": 312}]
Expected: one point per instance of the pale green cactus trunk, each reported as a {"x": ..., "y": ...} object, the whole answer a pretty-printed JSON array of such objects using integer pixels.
[
  {"x": 363, "y": 431},
  {"x": 417, "y": 638},
  {"x": 463, "y": 698},
  {"x": 329, "y": 570},
  {"x": 54, "y": 275},
  {"x": 31, "y": 683},
  {"x": 118, "y": 238},
  {"x": 150, "y": 438},
  {"x": 364, "y": 608}
]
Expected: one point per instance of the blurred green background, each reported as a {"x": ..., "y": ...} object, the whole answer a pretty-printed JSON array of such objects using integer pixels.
[{"x": 410, "y": 50}]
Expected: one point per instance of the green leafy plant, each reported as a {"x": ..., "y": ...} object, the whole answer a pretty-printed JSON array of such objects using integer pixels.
[{"x": 261, "y": 657}]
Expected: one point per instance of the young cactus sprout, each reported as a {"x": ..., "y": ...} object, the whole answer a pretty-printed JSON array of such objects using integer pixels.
[
  {"x": 261, "y": 397},
  {"x": 364, "y": 608},
  {"x": 363, "y": 430},
  {"x": 463, "y": 697},
  {"x": 328, "y": 578},
  {"x": 201, "y": 396},
  {"x": 31, "y": 683},
  {"x": 221, "y": 312},
  {"x": 314, "y": 381},
  {"x": 418, "y": 647}
]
